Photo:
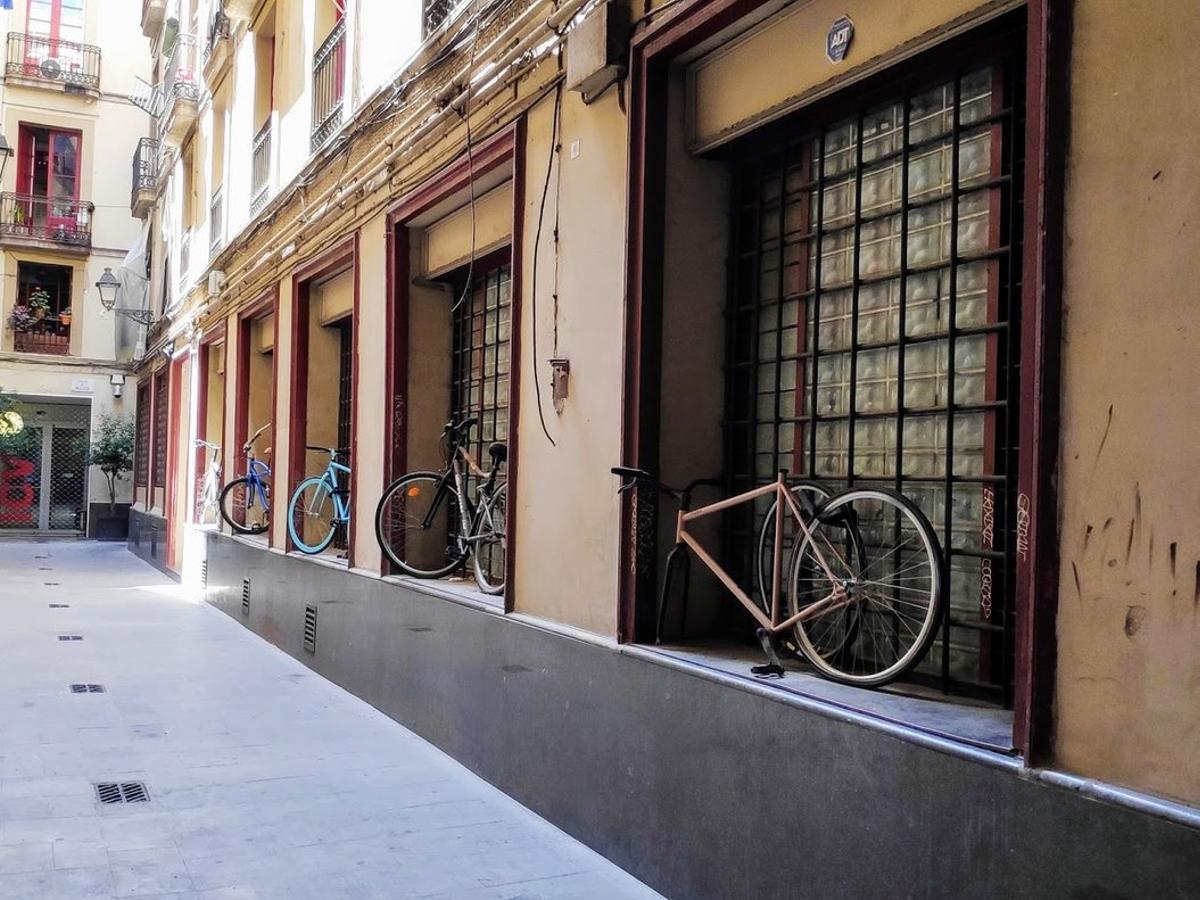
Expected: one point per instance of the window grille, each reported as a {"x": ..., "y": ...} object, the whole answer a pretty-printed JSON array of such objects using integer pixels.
[
  {"x": 911, "y": 317},
  {"x": 437, "y": 12},
  {"x": 479, "y": 381},
  {"x": 161, "y": 382},
  {"x": 345, "y": 411},
  {"x": 141, "y": 476}
]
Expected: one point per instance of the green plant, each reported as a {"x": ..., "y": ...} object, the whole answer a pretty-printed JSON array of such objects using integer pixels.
[
  {"x": 39, "y": 298},
  {"x": 21, "y": 318},
  {"x": 25, "y": 443},
  {"x": 112, "y": 451},
  {"x": 64, "y": 312}
]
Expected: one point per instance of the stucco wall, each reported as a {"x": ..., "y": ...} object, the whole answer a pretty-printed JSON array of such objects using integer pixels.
[{"x": 1128, "y": 706}]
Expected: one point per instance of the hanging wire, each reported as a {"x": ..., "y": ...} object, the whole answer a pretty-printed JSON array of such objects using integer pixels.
[
  {"x": 537, "y": 241},
  {"x": 466, "y": 291}
]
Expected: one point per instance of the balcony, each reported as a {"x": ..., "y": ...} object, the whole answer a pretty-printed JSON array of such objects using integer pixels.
[
  {"x": 181, "y": 91},
  {"x": 218, "y": 49},
  {"x": 49, "y": 335},
  {"x": 329, "y": 80},
  {"x": 260, "y": 169},
  {"x": 216, "y": 221},
  {"x": 144, "y": 186},
  {"x": 154, "y": 13},
  {"x": 48, "y": 223},
  {"x": 52, "y": 63}
]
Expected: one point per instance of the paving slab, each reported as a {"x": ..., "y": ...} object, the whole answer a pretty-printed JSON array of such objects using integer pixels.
[{"x": 265, "y": 780}]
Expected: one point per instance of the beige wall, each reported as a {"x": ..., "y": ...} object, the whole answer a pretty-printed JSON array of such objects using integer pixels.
[
  {"x": 1128, "y": 705},
  {"x": 372, "y": 392}
]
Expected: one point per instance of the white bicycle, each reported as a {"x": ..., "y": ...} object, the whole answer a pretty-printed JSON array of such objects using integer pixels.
[{"x": 208, "y": 511}]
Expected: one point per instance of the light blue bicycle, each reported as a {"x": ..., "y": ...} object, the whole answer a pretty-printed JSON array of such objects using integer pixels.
[{"x": 319, "y": 506}]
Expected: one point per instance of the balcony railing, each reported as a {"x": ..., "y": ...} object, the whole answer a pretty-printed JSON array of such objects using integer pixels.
[
  {"x": 216, "y": 220},
  {"x": 182, "y": 80},
  {"x": 53, "y": 60},
  {"x": 260, "y": 169},
  {"x": 329, "y": 80},
  {"x": 218, "y": 30},
  {"x": 55, "y": 220},
  {"x": 435, "y": 13},
  {"x": 49, "y": 335},
  {"x": 144, "y": 183}
]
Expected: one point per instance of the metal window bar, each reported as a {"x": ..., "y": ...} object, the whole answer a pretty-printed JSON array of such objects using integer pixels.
[
  {"x": 218, "y": 30},
  {"x": 437, "y": 12},
  {"x": 53, "y": 60},
  {"x": 345, "y": 410},
  {"x": 216, "y": 220},
  {"x": 59, "y": 220},
  {"x": 873, "y": 331},
  {"x": 480, "y": 370},
  {"x": 260, "y": 168},
  {"x": 141, "y": 455},
  {"x": 145, "y": 165},
  {"x": 47, "y": 335},
  {"x": 329, "y": 79},
  {"x": 161, "y": 405}
]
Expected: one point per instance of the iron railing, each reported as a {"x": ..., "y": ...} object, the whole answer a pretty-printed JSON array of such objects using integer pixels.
[
  {"x": 50, "y": 59},
  {"x": 260, "y": 168},
  {"x": 218, "y": 30},
  {"x": 181, "y": 80},
  {"x": 48, "y": 335},
  {"x": 216, "y": 220},
  {"x": 59, "y": 220},
  {"x": 436, "y": 13},
  {"x": 145, "y": 166},
  {"x": 329, "y": 81}
]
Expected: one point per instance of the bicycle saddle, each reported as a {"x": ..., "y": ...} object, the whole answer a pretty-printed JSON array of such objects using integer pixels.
[{"x": 498, "y": 452}]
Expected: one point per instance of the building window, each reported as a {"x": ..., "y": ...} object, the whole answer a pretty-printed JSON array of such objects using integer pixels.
[
  {"x": 479, "y": 371},
  {"x": 141, "y": 466},
  {"x": 882, "y": 251},
  {"x": 44, "y": 300},
  {"x": 58, "y": 20},
  {"x": 161, "y": 406}
]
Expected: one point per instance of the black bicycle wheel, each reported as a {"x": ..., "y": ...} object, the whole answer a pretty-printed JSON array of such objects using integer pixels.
[
  {"x": 417, "y": 525},
  {"x": 489, "y": 541},
  {"x": 241, "y": 508}
]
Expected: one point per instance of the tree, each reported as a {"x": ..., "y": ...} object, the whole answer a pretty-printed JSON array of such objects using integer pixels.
[
  {"x": 112, "y": 451},
  {"x": 20, "y": 442}
]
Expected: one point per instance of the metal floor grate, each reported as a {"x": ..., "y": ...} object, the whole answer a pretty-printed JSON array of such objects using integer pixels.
[
  {"x": 70, "y": 637},
  {"x": 245, "y": 596},
  {"x": 310, "y": 628},
  {"x": 60, "y": 605},
  {"x": 122, "y": 792},
  {"x": 204, "y": 575},
  {"x": 52, "y": 583},
  {"x": 87, "y": 689}
]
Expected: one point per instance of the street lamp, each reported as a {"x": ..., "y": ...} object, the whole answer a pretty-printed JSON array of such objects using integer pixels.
[{"x": 108, "y": 285}]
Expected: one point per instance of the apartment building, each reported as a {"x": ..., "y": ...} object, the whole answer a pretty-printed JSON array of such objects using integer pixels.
[
  {"x": 713, "y": 239},
  {"x": 69, "y": 131}
]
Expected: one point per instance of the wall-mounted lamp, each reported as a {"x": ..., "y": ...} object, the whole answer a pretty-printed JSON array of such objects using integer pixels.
[
  {"x": 117, "y": 382},
  {"x": 6, "y": 151},
  {"x": 108, "y": 285}
]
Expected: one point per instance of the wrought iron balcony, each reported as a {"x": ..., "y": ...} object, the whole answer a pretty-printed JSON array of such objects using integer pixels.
[
  {"x": 144, "y": 186},
  {"x": 218, "y": 48},
  {"x": 329, "y": 81},
  {"x": 435, "y": 13},
  {"x": 48, "y": 335},
  {"x": 175, "y": 100},
  {"x": 53, "y": 62},
  {"x": 260, "y": 169},
  {"x": 47, "y": 222}
]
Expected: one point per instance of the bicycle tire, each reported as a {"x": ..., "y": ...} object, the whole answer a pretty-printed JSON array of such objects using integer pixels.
[
  {"x": 319, "y": 500},
  {"x": 871, "y": 599},
  {"x": 766, "y": 542},
  {"x": 487, "y": 513},
  {"x": 227, "y": 494},
  {"x": 384, "y": 515}
]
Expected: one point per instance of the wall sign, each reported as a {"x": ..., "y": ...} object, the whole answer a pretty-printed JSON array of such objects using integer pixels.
[
  {"x": 837, "y": 42},
  {"x": 83, "y": 386}
]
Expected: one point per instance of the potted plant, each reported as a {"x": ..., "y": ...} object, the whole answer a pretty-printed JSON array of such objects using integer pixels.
[
  {"x": 112, "y": 452},
  {"x": 39, "y": 302},
  {"x": 64, "y": 317},
  {"x": 21, "y": 319}
]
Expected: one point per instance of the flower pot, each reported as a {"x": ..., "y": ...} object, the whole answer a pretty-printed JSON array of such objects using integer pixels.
[{"x": 64, "y": 318}]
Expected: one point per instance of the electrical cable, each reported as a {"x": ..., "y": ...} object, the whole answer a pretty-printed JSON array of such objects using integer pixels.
[
  {"x": 470, "y": 176},
  {"x": 537, "y": 241}
]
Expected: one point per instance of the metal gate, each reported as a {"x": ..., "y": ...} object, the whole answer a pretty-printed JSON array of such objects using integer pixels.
[{"x": 43, "y": 467}]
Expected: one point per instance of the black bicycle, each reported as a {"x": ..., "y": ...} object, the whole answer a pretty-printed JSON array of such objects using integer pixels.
[{"x": 428, "y": 523}]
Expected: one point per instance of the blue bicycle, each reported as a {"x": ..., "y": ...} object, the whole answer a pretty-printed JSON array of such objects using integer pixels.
[
  {"x": 319, "y": 506},
  {"x": 245, "y": 503}
]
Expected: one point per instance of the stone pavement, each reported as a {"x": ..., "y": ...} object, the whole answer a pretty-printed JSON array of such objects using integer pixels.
[{"x": 264, "y": 779}]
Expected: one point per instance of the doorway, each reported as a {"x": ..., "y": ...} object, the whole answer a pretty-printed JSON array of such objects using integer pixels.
[{"x": 43, "y": 467}]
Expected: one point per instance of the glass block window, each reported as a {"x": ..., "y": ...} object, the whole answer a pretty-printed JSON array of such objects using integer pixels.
[
  {"x": 479, "y": 373},
  {"x": 345, "y": 414},
  {"x": 873, "y": 333}
]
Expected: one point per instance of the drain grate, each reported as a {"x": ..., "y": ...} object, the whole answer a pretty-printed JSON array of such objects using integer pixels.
[
  {"x": 310, "y": 628},
  {"x": 87, "y": 689},
  {"x": 122, "y": 792},
  {"x": 60, "y": 605},
  {"x": 245, "y": 596},
  {"x": 70, "y": 637}
]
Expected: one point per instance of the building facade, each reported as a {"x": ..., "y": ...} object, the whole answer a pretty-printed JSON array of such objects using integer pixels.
[
  {"x": 65, "y": 217},
  {"x": 873, "y": 244}
]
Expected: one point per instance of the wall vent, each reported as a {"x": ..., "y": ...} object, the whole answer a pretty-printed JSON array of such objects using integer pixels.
[
  {"x": 310, "y": 628},
  {"x": 70, "y": 637},
  {"x": 245, "y": 596},
  {"x": 204, "y": 575},
  {"x": 122, "y": 792},
  {"x": 87, "y": 689},
  {"x": 60, "y": 605}
]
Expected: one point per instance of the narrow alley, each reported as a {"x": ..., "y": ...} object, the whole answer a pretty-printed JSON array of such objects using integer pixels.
[{"x": 263, "y": 779}]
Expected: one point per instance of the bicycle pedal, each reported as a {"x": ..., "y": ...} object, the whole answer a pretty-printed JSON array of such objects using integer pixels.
[{"x": 767, "y": 670}]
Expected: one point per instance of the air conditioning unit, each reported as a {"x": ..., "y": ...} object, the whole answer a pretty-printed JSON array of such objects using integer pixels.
[
  {"x": 51, "y": 69},
  {"x": 216, "y": 281}
]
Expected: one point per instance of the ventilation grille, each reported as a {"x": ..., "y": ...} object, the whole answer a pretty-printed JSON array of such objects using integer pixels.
[
  {"x": 70, "y": 637},
  {"x": 310, "y": 628},
  {"x": 60, "y": 605},
  {"x": 204, "y": 575},
  {"x": 52, "y": 583},
  {"x": 245, "y": 596},
  {"x": 87, "y": 689},
  {"x": 122, "y": 792}
]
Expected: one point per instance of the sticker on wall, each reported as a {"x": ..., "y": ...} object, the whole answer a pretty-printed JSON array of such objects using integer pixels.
[
  {"x": 83, "y": 386},
  {"x": 837, "y": 43}
]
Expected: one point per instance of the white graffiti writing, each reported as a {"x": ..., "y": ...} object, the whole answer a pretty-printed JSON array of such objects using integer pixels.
[{"x": 1023, "y": 516}]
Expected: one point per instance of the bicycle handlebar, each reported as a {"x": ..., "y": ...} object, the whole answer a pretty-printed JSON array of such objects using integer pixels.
[
  {"x": 254, "y": 437},
  {"x": 332, "y": 451},
  {"x": 636, "y": 475},
  {"x": 202, "y": 443}
]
